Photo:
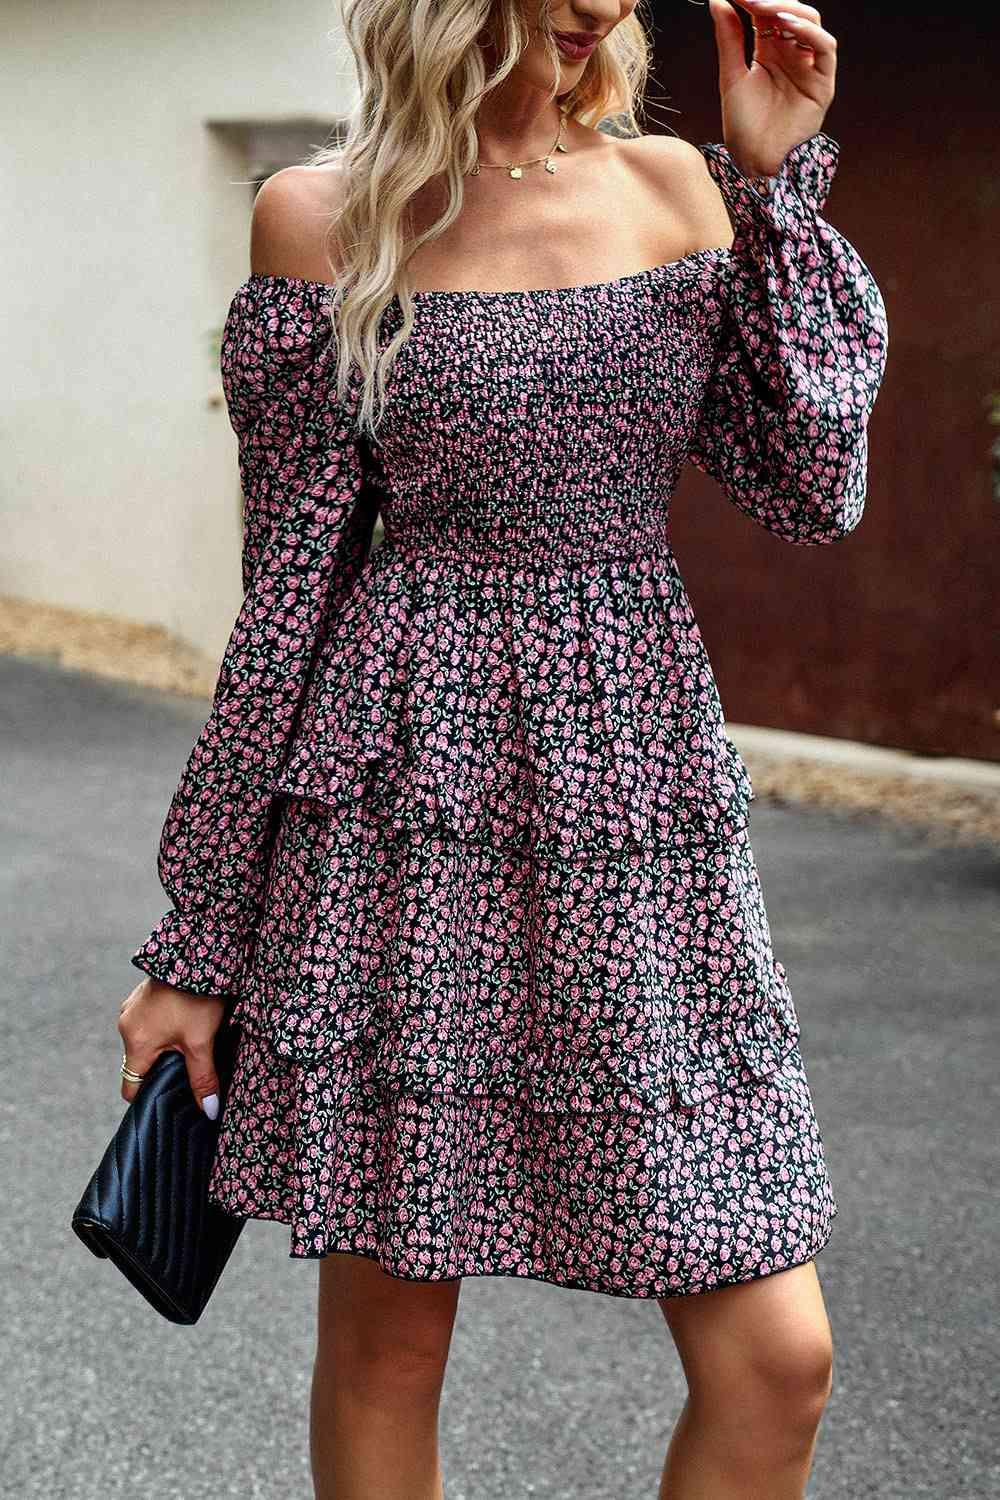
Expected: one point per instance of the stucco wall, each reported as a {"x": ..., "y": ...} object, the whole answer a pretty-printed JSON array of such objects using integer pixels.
[{"x": 124, "y": 236}]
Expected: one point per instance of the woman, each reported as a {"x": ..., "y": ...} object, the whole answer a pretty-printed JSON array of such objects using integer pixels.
[{"x": 465, "y": 837}]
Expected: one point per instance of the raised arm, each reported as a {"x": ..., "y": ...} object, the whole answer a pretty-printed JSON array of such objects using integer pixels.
[
  {"x": 801, "y": 354},
  {"x": 309, "y": 521}
]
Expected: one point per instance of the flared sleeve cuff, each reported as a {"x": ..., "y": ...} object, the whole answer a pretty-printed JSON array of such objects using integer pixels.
[
  {"x": 801, "y": 351},
  {"x": 309, "y": 520},
  {"x": 195, "y": 953},
  {"x": 785, "y": 203}
]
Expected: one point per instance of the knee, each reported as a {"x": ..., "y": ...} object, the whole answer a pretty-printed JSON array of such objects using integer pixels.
[
  {"x": 793, "y": 1378},
  {"x": 407, "y": 1371},
  {"x": 385, "y": 1363},
  {"x": 775, "y": 1396},
  {"x": 381, "y": 1340}
]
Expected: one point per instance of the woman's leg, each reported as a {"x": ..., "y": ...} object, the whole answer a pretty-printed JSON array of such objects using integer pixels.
[
  {"x": 382, "y": 1346},
  {"x": 758, "y": 1360}
]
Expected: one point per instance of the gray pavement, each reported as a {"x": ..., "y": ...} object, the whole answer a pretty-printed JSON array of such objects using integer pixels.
[{"x": 892, "y": 947}]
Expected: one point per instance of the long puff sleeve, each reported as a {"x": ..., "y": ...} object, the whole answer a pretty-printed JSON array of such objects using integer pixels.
[
  {"x": 801, "y": 354},
  {"x": 308, "y": 523}
]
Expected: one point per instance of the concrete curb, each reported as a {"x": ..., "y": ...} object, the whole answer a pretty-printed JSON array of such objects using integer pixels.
[
  {"x": 949, "y": 799},
  {"x": 874, "y": 760}
]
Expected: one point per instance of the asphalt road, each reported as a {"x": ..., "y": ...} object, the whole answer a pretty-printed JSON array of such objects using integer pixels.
[{"x": 892, "y": 948}]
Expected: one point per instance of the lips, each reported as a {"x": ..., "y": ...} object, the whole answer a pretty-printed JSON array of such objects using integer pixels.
[{"x": 575, "y": 45}]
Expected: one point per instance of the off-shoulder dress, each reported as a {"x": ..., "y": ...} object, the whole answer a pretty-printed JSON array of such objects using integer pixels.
[{"x": 464, "y": 835}]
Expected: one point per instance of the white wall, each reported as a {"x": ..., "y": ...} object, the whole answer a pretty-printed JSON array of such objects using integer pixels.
[{"x": 124, "y": 234}]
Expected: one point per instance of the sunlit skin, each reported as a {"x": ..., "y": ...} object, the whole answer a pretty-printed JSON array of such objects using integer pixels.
[
  {"x": 781, "y": 98},
  {"x": 758, "y": 1356},
  {"x": 515, "y": 122}
]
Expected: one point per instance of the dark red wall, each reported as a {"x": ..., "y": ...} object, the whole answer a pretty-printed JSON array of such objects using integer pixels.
[{"x": 890, "y": 635}]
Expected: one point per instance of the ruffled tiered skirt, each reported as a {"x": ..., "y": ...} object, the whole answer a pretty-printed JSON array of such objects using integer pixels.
[{"x": 513, "y": 1007}]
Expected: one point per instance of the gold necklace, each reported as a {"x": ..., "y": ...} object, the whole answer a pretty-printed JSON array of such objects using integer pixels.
[{"x": 514, "y": 168}]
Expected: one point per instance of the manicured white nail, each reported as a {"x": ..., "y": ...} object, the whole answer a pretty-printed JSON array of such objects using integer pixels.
[
  {"x": 210, "y": 1104},
  {"x": 783, "y": 15}
]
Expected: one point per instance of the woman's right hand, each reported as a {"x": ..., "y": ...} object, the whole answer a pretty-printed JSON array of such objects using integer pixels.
[{"x": 157, "y": 1018}]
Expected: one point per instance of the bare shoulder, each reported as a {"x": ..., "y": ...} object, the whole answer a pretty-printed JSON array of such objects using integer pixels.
[
  {"x": 291, "y": 218},
  {"x": 675, "y": 170}
]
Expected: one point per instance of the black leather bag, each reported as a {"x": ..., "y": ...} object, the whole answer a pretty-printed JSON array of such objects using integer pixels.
[{"x": 146, "y": 1208}]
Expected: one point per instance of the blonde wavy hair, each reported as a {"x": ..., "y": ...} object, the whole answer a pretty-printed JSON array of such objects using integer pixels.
[{"x": 422, "y": 74}]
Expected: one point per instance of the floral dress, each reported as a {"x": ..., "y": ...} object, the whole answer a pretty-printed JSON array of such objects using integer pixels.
[{"x": 464, "y": 836}]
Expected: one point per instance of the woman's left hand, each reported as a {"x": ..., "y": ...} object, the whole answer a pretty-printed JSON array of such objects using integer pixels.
[{"x": 783, "y": 96}]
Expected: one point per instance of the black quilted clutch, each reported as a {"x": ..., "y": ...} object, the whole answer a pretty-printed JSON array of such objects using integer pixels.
[{"x": 146, "y": 1207}]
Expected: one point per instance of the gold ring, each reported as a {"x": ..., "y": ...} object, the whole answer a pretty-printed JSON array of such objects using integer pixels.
[
  {"x": 127, "y": 1073},
  {"x": 766, "y": 31}
]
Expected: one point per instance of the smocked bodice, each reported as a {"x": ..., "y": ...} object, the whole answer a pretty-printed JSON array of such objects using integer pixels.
[
  {"x": 518, "y": 662},
  {"x": 547, "y": 423}
]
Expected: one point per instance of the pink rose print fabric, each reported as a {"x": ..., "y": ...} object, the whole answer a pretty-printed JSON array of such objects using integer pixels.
[{"x": 464, "y": 836}]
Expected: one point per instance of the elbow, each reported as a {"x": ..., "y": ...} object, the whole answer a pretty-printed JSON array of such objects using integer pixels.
[
  {"x": 847, "y": 517},
  {"x": 828, "y": 522},
  {"x": 806, "y": 517},
  {"x": 821, "y": 524},
  {"x": 828, "y": 501},
  {"x": 811, "y": 518}
]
